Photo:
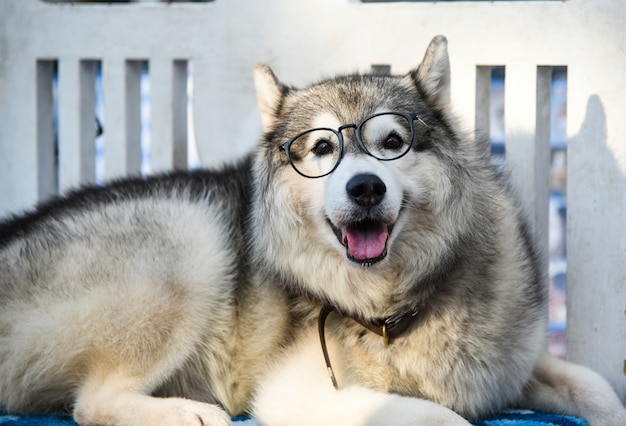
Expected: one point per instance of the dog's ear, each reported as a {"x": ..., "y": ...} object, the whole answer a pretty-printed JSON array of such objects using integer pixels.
[
  {"x": 432, "y": 76},
  {"x": 269, "y": 93}
]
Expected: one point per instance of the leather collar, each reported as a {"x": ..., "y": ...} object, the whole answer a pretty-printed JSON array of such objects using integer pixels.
[{"x": 388, "y": 328}]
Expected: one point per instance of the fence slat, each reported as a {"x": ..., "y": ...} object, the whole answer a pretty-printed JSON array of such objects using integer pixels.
[
  {"x": 168, "y": 103},
  {"x": 121, "y": 82},
  {"x": 483, "y": 94},
  {"x": 76, "y": 118},
  {"x": 528, "y": 151},
  {"x": 161, "y": 114}
]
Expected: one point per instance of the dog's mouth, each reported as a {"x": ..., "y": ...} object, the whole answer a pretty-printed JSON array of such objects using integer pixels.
[{"x": 365, "y": 241}]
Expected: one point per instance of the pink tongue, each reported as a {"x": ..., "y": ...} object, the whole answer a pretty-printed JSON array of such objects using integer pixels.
[{"x": 366, "y": 243}]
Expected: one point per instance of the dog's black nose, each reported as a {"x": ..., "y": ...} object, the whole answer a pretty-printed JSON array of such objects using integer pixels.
[{"x": 366, "y": 189}]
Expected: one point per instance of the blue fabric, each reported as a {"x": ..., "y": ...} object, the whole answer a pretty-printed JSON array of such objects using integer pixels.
[
  {"x": 33, "y": 420},
  {"x": 531, "y": 418},
  {"x": 509, "y": 418}
]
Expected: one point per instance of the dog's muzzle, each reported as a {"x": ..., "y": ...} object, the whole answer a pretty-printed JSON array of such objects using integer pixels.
[{"x": 365, "y": 238}]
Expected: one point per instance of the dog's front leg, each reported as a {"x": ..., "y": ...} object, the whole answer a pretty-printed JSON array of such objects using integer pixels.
[
  {"x": 116, "y": 400},
  {"x": 566, "y": 388},
  {"x": 298, "y": 391}
]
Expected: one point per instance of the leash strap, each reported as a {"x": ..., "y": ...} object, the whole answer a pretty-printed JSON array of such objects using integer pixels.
[{"x": 321, "y": 322}]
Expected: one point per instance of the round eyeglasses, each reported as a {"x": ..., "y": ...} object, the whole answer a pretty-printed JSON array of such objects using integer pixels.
[{"x": 317, "y": 152}]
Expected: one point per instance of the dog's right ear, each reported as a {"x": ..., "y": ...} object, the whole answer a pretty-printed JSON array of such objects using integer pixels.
[
  {"x": 432, "y": 77},
  {"x": 269, "y": 93}
]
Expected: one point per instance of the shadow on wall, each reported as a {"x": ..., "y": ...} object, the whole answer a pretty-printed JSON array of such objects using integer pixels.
[{"x": 596, "y": 248}]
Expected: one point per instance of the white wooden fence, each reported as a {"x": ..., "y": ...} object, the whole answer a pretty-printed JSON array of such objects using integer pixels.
[{"x": 303, "y": 40}]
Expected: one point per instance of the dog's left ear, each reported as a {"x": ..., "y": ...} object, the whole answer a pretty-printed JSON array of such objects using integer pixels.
[
  {"x": 269, "y": 93},
  {"x": 432, "y": 76}
]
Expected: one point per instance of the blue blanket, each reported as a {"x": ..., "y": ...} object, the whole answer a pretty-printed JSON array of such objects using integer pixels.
[{"x": 509, "y": 418}]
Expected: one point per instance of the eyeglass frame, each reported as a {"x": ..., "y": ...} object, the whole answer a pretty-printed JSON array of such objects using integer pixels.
[{"x": 410, "y": 117}]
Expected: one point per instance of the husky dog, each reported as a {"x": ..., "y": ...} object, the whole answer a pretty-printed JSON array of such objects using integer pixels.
[{"x": 364, "y": 266}]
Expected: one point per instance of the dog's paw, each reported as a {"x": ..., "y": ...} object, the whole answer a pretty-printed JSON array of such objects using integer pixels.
[
  {"x": 192, "y": 413},
  {"x": 141, "y": 410}
]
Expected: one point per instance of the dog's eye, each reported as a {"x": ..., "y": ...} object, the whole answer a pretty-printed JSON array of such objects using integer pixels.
[
  {"x": 322, "y": 147},
  {"x": 393, "y": 142}
]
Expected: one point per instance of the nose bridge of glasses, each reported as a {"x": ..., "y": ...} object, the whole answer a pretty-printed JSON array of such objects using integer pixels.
[
  {"x": 341, "y": 129},
  {"x": 346, "y": 126},
  {"x": 352, "y": 142}
]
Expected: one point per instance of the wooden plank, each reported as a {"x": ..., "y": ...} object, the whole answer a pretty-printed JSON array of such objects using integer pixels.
[
  {"x": 69, "y": 122},
  {"x": 114, "y": 99},
  {"x": 76, "y": 118},
  {"x": 161, "y": 114},
  {"x": 483, "y": 101},
  {"x": 121, "y": 82},
  {"x": 542, "y": 156},
  {"x": 527, "y": 129},
  {"x": 168, "y": 103}
]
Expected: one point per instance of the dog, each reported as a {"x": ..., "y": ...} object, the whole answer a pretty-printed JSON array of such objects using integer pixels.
[{"x": 365, "y": 265}]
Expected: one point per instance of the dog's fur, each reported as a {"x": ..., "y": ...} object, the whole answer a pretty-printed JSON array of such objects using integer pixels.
[{"x": 189, "y": 297}]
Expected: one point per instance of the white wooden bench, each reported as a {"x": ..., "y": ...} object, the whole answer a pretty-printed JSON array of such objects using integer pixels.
[{"x": 303, "y": 40}]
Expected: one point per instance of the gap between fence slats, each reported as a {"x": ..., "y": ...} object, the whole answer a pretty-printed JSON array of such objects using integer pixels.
[{"x": 46, "y": 167}]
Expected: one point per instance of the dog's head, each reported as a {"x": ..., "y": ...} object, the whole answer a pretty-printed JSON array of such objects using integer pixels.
[{"x": 354, "y": 166}]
